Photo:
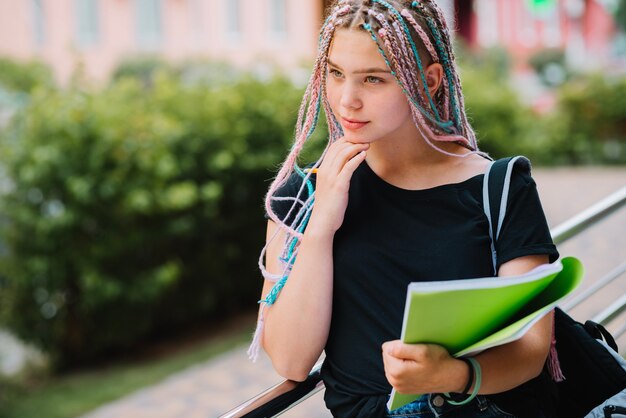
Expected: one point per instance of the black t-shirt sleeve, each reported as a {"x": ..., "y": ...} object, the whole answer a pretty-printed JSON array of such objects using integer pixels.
[
  {"x": 525, "y": 229},
  {"x": 290, "y": 190}
]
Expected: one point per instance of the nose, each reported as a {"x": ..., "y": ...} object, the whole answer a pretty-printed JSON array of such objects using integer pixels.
[{"x": 350, "y": 97}]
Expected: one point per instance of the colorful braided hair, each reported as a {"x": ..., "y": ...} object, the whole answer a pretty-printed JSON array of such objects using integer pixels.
[{"x": 410, "y": 35}]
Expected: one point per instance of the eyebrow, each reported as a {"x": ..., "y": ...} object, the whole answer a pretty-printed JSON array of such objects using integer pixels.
[{"x": 364, "y": 70}]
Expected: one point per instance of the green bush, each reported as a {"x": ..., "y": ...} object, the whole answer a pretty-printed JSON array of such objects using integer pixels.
[
  {"x": 550, "y": 66},
  {"x": 23, "y": 77},
  {"x": 620, "y": 15},
  {"x": 496, "y": 61},
  {"x": 589, "y": 125},
  {"x": 503, "y": 124},
  {"x": 143, "y": 68},
  {"x": 133, "y": 211},
  {"x": 193, "y": 72}
]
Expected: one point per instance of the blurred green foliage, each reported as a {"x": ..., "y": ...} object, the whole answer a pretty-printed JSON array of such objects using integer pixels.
[
  {"x": 620, "y": 14},
  {"x": 143, "y": 67},
  {"x": 503, "y": 125},
  {"x": 494, "y": 61},
  {"x": 132, "y": 211},
  {"x": 550, "y": 66},
  {"x": 589, "y": 124},
  {"x": 23, "y": 77}
]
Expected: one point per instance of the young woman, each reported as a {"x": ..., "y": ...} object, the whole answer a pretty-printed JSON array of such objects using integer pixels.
[{"x": 396, "y": 197}]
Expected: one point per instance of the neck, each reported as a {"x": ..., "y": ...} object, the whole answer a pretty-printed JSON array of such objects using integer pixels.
[
  {"x": 409, "y": 162},
  {"x": 409, "y": 152}
]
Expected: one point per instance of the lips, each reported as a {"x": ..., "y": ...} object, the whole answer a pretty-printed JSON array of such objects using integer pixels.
[{"x": 353, "y": 124}]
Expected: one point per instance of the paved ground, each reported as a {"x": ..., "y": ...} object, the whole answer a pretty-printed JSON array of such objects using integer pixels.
[{"x": 209, "y": 389}]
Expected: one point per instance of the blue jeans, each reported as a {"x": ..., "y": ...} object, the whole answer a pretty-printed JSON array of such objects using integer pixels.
[{"x": 435, "y": 406}]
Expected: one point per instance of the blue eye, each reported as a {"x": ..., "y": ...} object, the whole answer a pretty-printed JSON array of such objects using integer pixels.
[
  {"x": 335, "y": 73},
  {"x": 373, "y": 80}
]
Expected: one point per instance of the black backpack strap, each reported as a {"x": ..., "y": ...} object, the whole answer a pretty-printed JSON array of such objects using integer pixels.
[
  {"x": 495, "y": 198},
  {"x": 598, "y": 332}
]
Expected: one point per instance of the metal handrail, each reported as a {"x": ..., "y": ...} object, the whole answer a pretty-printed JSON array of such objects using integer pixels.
[
  {"x": 286, "y": 394},
  {"x": 588, "y": 217},
  {"x": 591, "y": 290},
  {"x": 281, "y": 397}
]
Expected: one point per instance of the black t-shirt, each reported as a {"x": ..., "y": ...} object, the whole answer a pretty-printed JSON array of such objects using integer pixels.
[{"x": 391, "y": 237}]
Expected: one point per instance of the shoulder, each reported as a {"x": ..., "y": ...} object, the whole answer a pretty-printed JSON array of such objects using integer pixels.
[
  {"x": 518, "y": 168},
  {"x": 521, "y": 172},
  {"x": 476, "y": 164},
  {"x": 469, "y": 167}
]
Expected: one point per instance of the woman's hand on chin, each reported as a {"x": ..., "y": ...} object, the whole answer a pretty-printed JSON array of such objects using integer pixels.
[{"x": 333, "y": 184}]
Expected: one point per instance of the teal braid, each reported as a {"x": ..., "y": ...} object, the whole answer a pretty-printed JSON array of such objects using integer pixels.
[
  {"x": 323, "y": 45},
  {"x": 270, "y": 299},
  {"x": 316, "y": 118},
  {"x": 446, "y": 66},
  {"x": 418, "y": 60},
  {"x": 302, "y": 174},
  {"x": 322, "y": 30},
  {"x": 368, "y": 28},
  {"x": 444, "y": 58},
  {"x": 444, "y": 125}
]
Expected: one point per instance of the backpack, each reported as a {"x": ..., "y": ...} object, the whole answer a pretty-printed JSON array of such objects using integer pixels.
[{"x": 595, "y": 372}]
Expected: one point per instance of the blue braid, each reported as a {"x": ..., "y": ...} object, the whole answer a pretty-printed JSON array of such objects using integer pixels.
[
  {"x": 270, "y": 299},
  {"x": 415, "y": 53},
  {"x": 446, "y": 66},
  {"x": 319, "y": 38},
  {"x": 316, "y": 117},
  {"x": 444, "y": 57},
  {"x": 302, "y": 174},
  {"x": 319, "y": 98},
  {"x": 368, "y": 28},
  {"x": 444, "y": 125}
]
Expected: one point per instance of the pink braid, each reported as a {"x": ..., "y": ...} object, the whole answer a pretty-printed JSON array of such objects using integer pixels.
[
  {"x": 433, "y": 54},
  {"x": 423, "y": 36}
]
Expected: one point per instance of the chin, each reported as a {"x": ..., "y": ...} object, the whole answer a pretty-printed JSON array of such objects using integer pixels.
[{"x": 357, "y": 139}]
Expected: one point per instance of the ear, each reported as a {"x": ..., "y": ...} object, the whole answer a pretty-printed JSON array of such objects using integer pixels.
[{"x": 434, "y": 77}]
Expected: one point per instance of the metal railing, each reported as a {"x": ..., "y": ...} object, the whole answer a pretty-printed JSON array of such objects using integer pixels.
[{"x": 287, "y": 394}]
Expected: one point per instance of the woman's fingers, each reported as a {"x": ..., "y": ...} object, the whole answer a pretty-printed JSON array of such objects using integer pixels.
[
  {"x": 333, "y": 154},
  {"x": 333, "y": 183},
  {"x": 344, "y": 152},
  {"x": 351, "y": 165}
]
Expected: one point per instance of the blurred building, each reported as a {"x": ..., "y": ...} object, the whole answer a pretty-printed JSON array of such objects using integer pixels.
[
  {"x": 96, "y": 35},
  {"x": 582, "y": 29}
]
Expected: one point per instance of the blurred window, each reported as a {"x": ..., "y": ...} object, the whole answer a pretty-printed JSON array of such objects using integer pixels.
[
  {"x": 278, "y": 17},
  {"x": 149, "y": 24},
  {"x": 87, "y": 22},
  {"x": 198, "y": 25},
  {"x": 527, "y": 33},
  {"x": 552, "y": 29},
  {"x": 487, "y": 13},
  {"x": 39, "y": 28},
  {"x": 233, "y": 17}
]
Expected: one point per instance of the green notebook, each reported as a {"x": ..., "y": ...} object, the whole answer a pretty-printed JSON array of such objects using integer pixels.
[{"x": 469, "y": 316}]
